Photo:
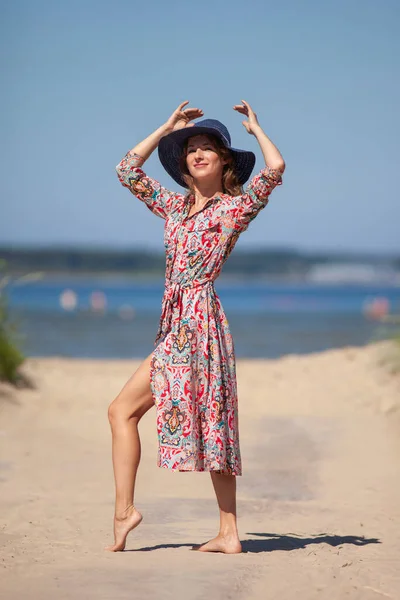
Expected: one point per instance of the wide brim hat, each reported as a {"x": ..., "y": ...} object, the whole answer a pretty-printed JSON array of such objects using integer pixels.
[{"x": 171, "y": 146}]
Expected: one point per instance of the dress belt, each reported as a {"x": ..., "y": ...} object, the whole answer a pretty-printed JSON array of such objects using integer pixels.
[{"x": 171, "y": 296}]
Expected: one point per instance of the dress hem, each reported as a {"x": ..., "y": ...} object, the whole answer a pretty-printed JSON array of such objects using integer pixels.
[{"x": 205, "y": 470}]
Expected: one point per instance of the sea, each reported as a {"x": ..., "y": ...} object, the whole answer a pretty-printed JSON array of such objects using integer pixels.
[{"x": 111, "y": 318}]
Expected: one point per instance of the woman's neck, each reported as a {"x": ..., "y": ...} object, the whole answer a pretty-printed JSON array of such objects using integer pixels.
[{"x": 205, "y": 191}]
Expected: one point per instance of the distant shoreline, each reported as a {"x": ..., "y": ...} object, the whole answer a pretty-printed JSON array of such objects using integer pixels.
[
  {"x": 158, "y": 278},
  {"x": 263, "y": 264}
]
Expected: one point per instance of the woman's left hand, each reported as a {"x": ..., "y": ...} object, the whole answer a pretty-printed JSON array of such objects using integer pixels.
[{"x": 252, "y": 122}]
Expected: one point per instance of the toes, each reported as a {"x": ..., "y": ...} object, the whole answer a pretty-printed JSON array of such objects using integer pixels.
[
  {"x": 207, "y": 547},
  {"x": 218, "y": 546},
  {"x": 115, "y": 548}
]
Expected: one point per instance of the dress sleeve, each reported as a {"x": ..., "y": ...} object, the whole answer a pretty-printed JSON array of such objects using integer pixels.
[
  {"x": 247, "y": 206},
  {"x": 158, "y": 199}
]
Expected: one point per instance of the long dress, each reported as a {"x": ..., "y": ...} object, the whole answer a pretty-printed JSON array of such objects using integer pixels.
[{"x": 193, "y": 371}]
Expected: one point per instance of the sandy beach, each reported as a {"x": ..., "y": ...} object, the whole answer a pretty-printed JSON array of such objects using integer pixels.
[{"x": 318, "y": 504}]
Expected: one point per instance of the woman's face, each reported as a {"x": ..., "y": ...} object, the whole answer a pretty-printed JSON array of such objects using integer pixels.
[{"x": 202, "y": 158}]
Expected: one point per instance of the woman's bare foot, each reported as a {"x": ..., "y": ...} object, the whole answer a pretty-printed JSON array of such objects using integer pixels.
[
  {"x": 122, "y": 526},
  {"x": 228, "y": 544}
]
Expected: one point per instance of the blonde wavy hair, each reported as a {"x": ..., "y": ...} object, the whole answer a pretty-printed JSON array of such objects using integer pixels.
[{"x": 230, "y": 183}]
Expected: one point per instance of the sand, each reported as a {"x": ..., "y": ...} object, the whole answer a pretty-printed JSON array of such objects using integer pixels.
[{"x": 319, "y": 501}]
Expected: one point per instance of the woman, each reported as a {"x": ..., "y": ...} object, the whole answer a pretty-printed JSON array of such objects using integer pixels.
[{"x": 190, "y": 376}]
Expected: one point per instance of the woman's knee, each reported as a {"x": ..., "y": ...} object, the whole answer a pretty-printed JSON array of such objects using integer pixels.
[
  {"x": 119, "y": 411},
  {"x": 127, "y": 407},
  {"x": 113, "y": 412},
  {"x": 135, "y": 398}
]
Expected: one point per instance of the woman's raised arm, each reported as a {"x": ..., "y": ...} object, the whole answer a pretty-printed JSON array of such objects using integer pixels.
[
  {"x": 157, "y": 198},
  {"x": 246, "y": 207},
  {"x": 273, "y": 158}
]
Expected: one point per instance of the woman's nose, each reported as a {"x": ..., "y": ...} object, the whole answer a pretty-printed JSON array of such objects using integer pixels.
[{"x": 198, "y": 153}]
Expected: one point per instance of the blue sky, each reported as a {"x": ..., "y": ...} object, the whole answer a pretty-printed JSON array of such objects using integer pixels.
[{"x": 84, "y": 81}]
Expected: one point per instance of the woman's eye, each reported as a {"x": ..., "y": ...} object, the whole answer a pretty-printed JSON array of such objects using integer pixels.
[{"x": 191, "y": 150}]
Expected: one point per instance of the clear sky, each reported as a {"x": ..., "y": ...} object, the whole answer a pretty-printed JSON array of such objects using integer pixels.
[{"x": 84, "y": 81}]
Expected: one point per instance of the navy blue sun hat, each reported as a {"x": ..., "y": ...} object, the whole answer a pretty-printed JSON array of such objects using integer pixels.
[{"x": 171, "y": 146}]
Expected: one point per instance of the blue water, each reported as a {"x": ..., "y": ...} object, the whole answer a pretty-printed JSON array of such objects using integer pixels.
[{"x": 267, "y": 320}]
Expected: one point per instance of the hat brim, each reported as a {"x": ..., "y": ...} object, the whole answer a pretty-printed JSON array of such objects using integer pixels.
[{"x": 171, "y": 146}]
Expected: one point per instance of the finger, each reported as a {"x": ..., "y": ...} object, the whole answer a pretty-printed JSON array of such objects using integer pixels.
[
  {"x": 242, "y": 111},
  {"x": 240, "y": 107},
  {"x": 180, "y": 107},
  {"x": 190, "y": 111},
  {"x": 191, "y": 117},
  {"x": 247, "y": 105}
]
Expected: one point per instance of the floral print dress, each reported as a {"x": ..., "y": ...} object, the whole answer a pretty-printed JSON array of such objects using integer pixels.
[{"x": 193, "y": 372}]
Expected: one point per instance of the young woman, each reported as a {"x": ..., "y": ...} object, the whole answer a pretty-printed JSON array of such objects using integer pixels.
[{"x": 190, "y": 376}]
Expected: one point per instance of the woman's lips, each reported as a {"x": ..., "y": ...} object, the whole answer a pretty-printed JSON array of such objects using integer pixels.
[{"x": 199, "y": 165}]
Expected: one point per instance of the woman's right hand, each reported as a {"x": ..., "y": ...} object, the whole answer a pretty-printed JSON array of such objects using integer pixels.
[{"x": 181, "y": 117}]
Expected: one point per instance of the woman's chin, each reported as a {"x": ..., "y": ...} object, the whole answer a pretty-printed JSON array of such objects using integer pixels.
[{"x": 201, "y": 176}]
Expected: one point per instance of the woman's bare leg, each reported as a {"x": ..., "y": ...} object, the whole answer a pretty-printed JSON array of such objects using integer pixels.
[
  {"x": 124, "y": 414},
  {"x": 227, "y": 540}
]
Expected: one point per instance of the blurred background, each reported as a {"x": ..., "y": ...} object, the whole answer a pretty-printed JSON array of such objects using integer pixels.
[{"x": 83, "y": 82}]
